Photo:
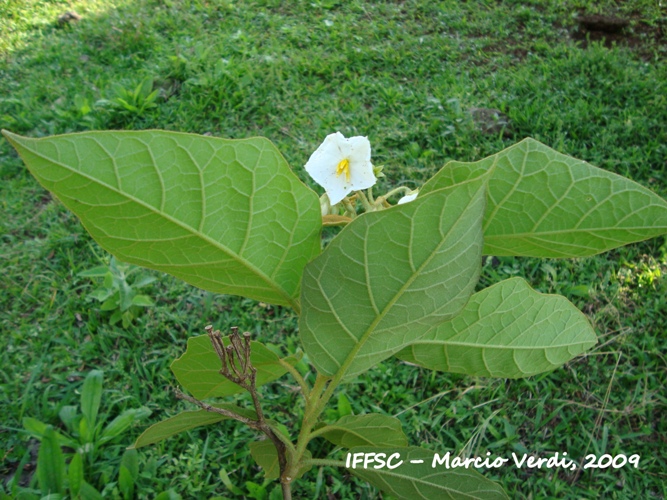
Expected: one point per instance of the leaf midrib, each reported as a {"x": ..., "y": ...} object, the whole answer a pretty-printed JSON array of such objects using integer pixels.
[
  {"x": 369, "y": 331},
  {"x": 496, "y": 346},
  {"x": 567, "y": 231},
  {"x": 272, "y": 284}
]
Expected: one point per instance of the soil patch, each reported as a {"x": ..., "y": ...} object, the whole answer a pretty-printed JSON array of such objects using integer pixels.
[{"x": 610, "y": 30}]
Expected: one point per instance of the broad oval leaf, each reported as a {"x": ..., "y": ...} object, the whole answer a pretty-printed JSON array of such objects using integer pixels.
[
  {"x": 228, "y": 216},
  {"x": 365, "y": 430},
  {"x": 542, "y": 203},
  {"x": 416, "y": 479},
  {"x": 390, "y": 276},
  {"x": 507, "y": 330},
  {"x": 198, "y": 369},
  {"x": 185, "y": 421}
]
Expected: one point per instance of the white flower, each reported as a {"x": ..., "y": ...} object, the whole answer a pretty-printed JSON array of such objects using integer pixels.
[
  {"x": 342, "y": 165},
  {"x": 408, "y": 197}
]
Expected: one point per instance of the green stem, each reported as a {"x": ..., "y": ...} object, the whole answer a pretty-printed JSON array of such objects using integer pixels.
[
  {"x": 364, "y": 201},
  {"x": 318, "y": 432},
  {"x": 324, "y": 462},
  {"x": 350, "y": 211},
  {"x": 284, "y": 439},
  {"x": 394, "y": 191},
  {"x": 312, "y": 412},
  {"x": 297, "y": 376}
]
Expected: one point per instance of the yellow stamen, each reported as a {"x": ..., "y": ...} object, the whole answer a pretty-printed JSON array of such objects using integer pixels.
[{"x": 344, "y": 166}]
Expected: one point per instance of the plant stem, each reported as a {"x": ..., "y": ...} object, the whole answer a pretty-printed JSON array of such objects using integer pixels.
[
  {"x": 237, "y": 367},
  {"x": 394, "y": 191},
  {"x": 364, "y": 201},
  {"x": 324, "y": 462},
  {"x": 313, "y": 410},
  {"x": 222, "y": 411},
  {"x": 287, "y": 490},
  {"x": 305, "y": 390}
]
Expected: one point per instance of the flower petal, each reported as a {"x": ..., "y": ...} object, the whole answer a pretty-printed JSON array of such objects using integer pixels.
[
  {"x": 408, "y": 197},
  {"x": 323, "y": 165}
]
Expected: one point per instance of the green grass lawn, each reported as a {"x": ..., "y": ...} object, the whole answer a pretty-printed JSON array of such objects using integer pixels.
[{"x": 405, "y": 74}]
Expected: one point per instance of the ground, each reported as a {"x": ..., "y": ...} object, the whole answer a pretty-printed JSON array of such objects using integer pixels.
[{"x": 405, "y": 74}]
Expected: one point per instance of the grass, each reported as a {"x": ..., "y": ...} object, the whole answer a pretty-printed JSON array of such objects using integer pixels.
[{"x": 405, "y": 74}]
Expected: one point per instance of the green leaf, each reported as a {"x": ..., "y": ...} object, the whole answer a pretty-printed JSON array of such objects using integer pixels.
[
  {"x": 88, "y": 492},
  {"x": 75, "y": 474},
  {"x": 507, "y": 330},
  {"x": 129, "y": 472},
  {"x": 198, "y": 370},
  {"x": 266, "y": 456},
  {"x": 142, "y": 301},
  {"x": 95, "y": 272},
  {"x": 344, "y": 406},
  {"x": 111, "y": 304},
  {"x": 143, "y": 281},
  {"x": 168, "y": 495},
  {"x": 50, "y": 464},
  {"x": 123, "y": 421},
  {"x": 185, "y": 421},
  {"x": 366, "y": 430},
  {"x": 68, "y": 414},
  {"x": 91, "y": 396},
  {"x": 542, "y": 203},
  {"x": 37, "y": 429},
  {"x": 228, "y": 483},
  {"x": 130, "y": 461},
  {"x": 391, "y": 275},
  {"x": 228, "y": 216},
  {"x": 413, "y": 481}
]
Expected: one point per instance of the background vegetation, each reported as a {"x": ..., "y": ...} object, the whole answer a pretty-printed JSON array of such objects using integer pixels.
[{"x": 405, "y": 74}]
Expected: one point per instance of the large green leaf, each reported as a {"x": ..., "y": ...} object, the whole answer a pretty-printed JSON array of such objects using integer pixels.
[
  {"x": 507, "y": 330},
  {"x": 227, "y": 216},
  {"x": 390, "y": 276},
  {"x": 365, "y": 430},
  {"x": 542, "y": 203},
  {"x": 198, "y": 369},
  {"x": 416, "y": 479},
  {"x": 185, "y": 421}
]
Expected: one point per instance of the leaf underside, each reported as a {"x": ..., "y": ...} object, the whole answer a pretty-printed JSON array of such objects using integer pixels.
[
  {"x": 417, "y": 481},
  {"x": 542, "y": 203},
  {"x": 198, "y": 369},
  {"x": 390, "y": 276},
  {"x": 507, "y": 330},
  {"x": 228, "y": 216},
  {"x": 266, "y": 456},
  {"x": 366, "y": 430},
  {"x": 185, "y": 421}
]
